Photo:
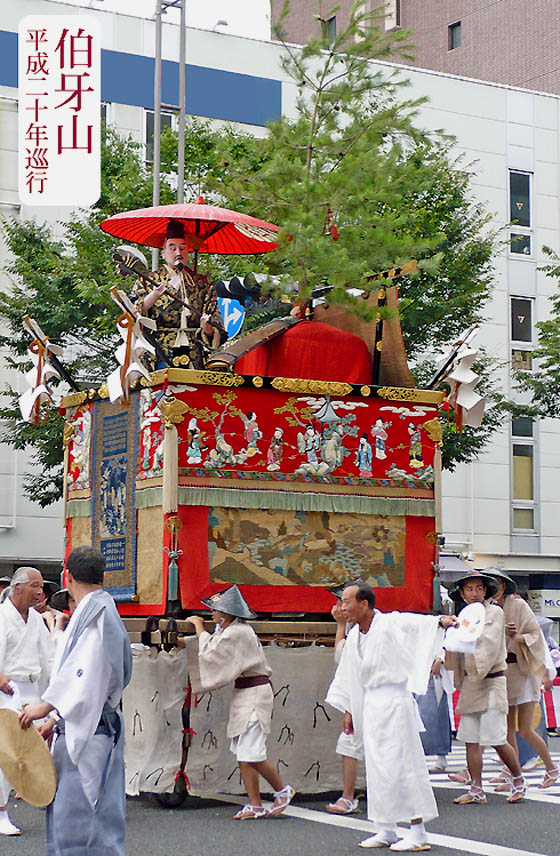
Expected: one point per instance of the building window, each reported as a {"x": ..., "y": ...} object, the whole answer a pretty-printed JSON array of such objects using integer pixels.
[
  {"x": 524, "y": 518},
  {"x": 522, "y": 426},
  {"x": 521, "y": 333},
  {"x": 523, "y": 474},
  {"x": 454, "y": 36},
  {"x": 105, "y": 117},
  {"x": 521, "y": 319},
  {"x": 167, "y": 121},
  {"x": 392, "y": 14},
  {"x": 521, "y": 361},
  {"x": 328, "y": 26},
  {"x": 520, "y": 212}
]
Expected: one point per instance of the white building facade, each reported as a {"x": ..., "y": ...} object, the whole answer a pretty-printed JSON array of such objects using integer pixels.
[{"x": 501, "y": 509}]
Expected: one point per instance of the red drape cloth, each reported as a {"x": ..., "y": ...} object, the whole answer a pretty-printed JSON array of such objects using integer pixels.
[
  {"x": 414, "y": 596},
  {"x": 311, "y": 350}
]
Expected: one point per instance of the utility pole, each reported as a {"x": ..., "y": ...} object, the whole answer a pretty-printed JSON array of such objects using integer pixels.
[
  {"x": 157, "y": 120},
  {"x": 182, "y": 94},
  {"x": 161, "y": 7}
]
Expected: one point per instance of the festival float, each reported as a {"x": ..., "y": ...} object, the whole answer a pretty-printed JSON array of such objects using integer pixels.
[{"x": 300, "y": 457}]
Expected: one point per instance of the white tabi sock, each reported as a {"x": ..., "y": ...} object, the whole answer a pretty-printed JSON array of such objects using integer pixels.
[
  {"x": 386, "y": 834},
  {"x": 417, "y": 833},
  {"x": 6, "y": 825},
  {"x": 441, "y": 761}
]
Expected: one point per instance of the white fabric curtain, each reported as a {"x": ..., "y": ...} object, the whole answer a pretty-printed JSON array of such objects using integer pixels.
[{"x": 301, "y": 743}]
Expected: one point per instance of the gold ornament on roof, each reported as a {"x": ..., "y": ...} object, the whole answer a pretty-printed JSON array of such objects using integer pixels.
[{"x": 325, "y": 387}]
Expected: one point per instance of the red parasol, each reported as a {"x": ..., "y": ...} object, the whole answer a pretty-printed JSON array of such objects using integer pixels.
[{"x": 208, "y": 229}]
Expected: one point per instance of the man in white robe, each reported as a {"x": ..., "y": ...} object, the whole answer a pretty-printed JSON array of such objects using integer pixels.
[
  {"x": 386, "y": 657},
  {"x": 348, "y": 746},
  {"x": 234, "y": 653},
  {"x": 26, "y": 654},
  {"x": 92, "y": 669}
]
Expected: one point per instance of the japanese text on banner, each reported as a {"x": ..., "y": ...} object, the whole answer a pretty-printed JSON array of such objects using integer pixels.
[{"x": 59, "y": 110}]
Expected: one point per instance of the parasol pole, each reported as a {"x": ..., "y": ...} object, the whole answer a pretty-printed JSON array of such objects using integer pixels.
[
  {"x": 182, "y": 96},
  {"x": 157, "y": 121}
]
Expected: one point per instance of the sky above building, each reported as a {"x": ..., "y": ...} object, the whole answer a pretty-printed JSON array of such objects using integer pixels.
[{"x": 249, "y": 18}]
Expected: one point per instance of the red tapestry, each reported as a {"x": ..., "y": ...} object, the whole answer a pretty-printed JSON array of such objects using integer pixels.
[
  {"x": 415, "y": 594},
  {"x": 273, "y": 436}
]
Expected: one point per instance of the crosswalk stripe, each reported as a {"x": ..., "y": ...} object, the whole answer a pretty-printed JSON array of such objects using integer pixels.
[
  {"x": 457, "y": 761},
  {"x": 463, "y": 845}
]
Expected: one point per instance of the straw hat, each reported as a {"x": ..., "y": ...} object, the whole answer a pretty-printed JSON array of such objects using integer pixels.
[
  {"x": 489, "y": 582},
  {"x": 59, "y": 600},
  {"x": 50, "y": 587},
  {"x": 26, "y": 761},
  {"x": 231, "y": 602},
  {"x": 501, "y": 576}
]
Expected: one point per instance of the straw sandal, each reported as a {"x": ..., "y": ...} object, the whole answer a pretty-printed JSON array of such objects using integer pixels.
[
  {"x": 503, "y": 776},
  {"x": 343, "y": 806},
  {"x": 550, "y": 778},
  {"x": 406, "y": 845},
  {"x": 282, "y": 800},
  {"x": 505, "y": 785},
  {"x": 250, "y": 812},
  {"x": 517, "y": 791},
  {"x": 475, "y": 795},
  {"x": 380, "y": 839},
  {"x": 463, "y": 777}
]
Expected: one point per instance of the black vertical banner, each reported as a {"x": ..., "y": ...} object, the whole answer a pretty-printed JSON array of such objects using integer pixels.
[{"x": 114, "y": 501}]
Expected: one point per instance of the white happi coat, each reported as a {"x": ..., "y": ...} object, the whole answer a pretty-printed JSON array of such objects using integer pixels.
[
  {"x": 377, "y": 674},
  {"x": 26, "y": 655}
]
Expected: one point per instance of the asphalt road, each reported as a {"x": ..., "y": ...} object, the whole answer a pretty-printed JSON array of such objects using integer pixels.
[{"x": 305, "y": 829}]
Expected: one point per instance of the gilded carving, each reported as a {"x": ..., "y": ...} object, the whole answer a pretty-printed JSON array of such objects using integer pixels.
[
  {"x": 434, "y": 430},
  {"x": 180, "y": 375},
  {"x": 258, "y": 382},
  {"x": 365, "y": 391},
  {"x": 74, "y": 399},
  {"x": 67, "y": 434},
  {"x": 220, "y": 378},
  {"x": 172, "y": 410},
  {"x": 399, "y": 393},
  {"x": 103, "y": 391},
  {"x": 173, "y": 524},
  {"x": 325, "y": 387}
]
